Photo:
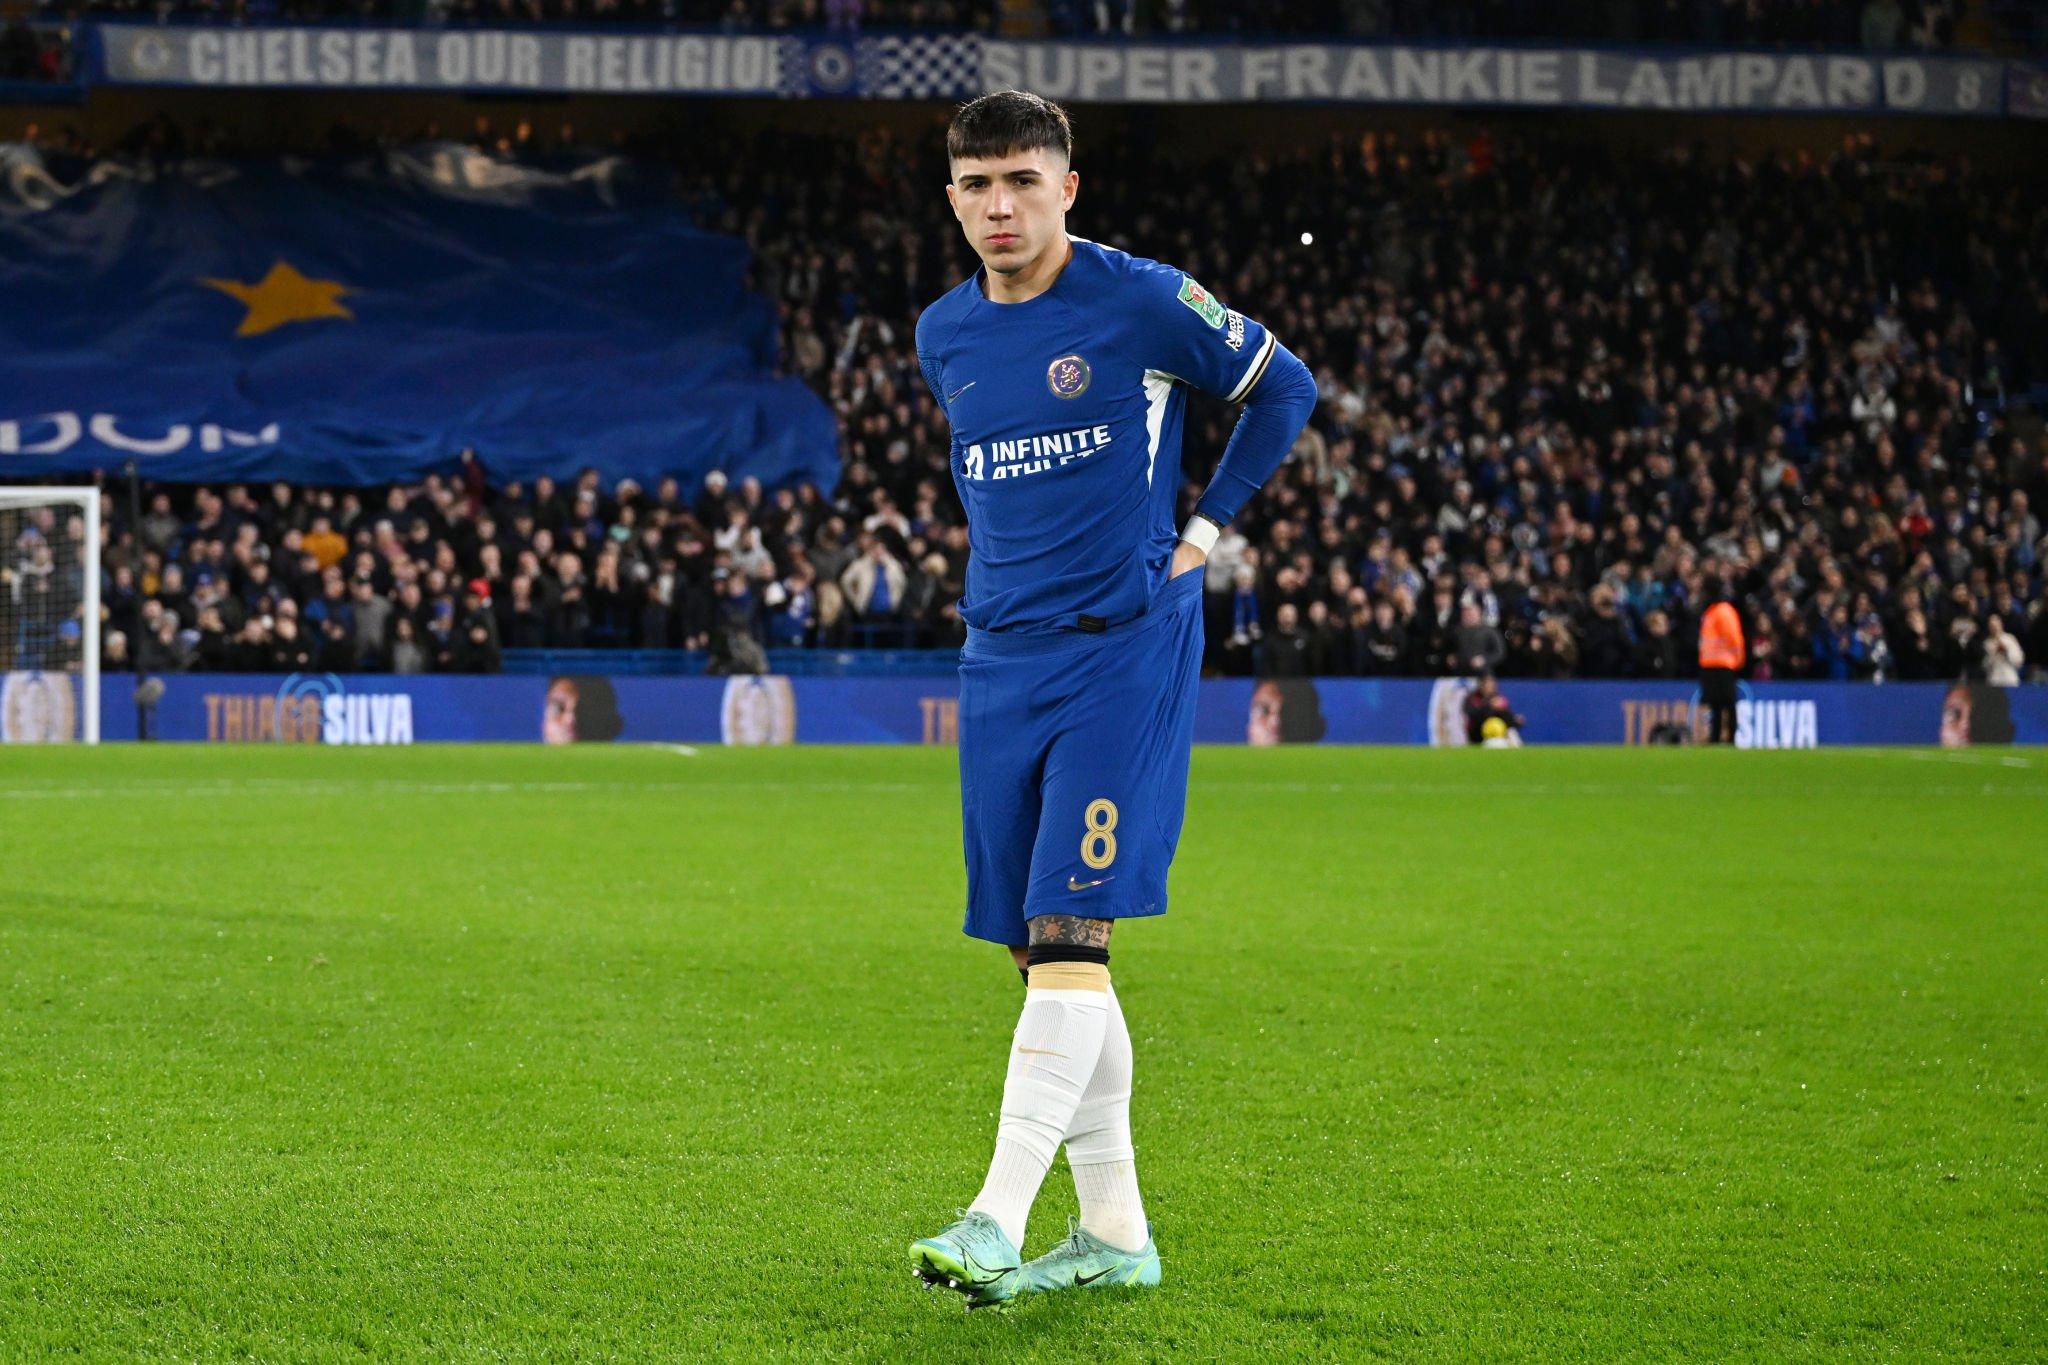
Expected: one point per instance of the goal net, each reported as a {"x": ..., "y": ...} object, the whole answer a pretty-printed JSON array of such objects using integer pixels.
[{"x": 49, "y": 615}]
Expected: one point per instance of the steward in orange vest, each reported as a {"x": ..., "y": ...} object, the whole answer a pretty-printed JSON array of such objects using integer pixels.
[
  {"x": 1721, "y": 656},
  {"x": 1721, "y": 637}
]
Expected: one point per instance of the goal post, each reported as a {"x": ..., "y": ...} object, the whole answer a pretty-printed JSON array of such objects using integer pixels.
[{"x": 49, "y": 614}]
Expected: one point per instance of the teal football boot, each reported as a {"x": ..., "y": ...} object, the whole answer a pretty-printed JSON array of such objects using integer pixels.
[
  {"x": 972, "y": 1256},
  {"x": 1085, "y": 1262}
]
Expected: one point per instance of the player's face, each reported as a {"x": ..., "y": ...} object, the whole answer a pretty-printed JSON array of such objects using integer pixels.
[
  {"x": 1013, "y": 208},
  {"x": 1955, "y": 719},
  {"x": 1263, "y": 729},
  {"x": 558, "y": 721}
]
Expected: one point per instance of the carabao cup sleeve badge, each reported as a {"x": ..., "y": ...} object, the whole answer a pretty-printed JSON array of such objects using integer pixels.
[{"x": 1068, "y": 377}]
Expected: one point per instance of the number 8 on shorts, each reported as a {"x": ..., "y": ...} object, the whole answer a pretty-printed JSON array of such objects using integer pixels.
[{"x": 1098, "y": 845}]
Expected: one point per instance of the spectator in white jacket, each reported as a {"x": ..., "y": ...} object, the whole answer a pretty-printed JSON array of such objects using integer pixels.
[
  {"x": 2003, "y": 657},
  {"x": 874, "y": 583}
]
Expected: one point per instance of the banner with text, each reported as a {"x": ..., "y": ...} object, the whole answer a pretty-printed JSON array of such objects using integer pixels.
[
  {"x": 2026, "y": 89},
  {"x": 572, "y": 708},
  {"x": 953, "y": 66}
]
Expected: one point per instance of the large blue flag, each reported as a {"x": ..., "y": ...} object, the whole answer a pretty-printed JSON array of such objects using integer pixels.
[{"x": 365, "y": 322}]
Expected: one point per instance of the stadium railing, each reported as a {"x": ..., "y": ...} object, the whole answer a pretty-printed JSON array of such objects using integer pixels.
[{"x": 802, "y": 663}]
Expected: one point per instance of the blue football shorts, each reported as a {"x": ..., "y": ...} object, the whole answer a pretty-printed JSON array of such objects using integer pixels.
[{"x": 1074, "y": 765}]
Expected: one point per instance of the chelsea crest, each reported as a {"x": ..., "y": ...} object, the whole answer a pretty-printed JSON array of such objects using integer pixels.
[{"x": 1067, "y": 377}]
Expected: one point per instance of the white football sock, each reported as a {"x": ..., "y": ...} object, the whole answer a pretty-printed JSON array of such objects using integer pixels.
[
  {"x": 1099, "y": 1145},
  {"x": 1052, "y": 1057}
]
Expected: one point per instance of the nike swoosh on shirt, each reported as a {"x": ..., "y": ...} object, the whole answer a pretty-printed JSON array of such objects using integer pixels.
[
  {"x": 1073, "y": 885},
  {"x": 962, "y": 389}
]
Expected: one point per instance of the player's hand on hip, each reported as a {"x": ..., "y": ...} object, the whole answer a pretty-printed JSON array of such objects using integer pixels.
[{"x": 1186, "y": 557}]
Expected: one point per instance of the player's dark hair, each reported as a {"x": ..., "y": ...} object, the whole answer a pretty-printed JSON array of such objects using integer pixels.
[
  {"x": 1301, "y": 712},
  {"x": 1990, "y": 715},
  {"x": 597, "y": 709},
  {"x": 1006, "y": 122}
]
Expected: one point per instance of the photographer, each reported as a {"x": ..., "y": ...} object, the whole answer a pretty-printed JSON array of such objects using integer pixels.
[{"x": 1489, "y": 720}]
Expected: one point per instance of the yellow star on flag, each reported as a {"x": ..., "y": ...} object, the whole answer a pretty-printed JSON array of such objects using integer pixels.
[{"x": 284, "y": 295}]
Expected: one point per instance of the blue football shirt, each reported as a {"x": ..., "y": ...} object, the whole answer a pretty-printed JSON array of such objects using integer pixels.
[{"x": 1066, "y": 412}]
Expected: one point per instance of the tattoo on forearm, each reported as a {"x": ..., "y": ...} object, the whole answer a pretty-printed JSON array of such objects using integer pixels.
[{"x": 1086, "y": 933}]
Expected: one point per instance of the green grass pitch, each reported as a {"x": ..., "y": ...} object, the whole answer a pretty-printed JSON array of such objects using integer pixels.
[{"x": 512, "y": 1053}]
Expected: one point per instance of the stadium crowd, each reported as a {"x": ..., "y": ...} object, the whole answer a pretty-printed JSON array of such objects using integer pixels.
[
  {"x": 1880, "y": 24},
  {"x": 34, "y": 52},
  {"x": 1565, "y": 392}
]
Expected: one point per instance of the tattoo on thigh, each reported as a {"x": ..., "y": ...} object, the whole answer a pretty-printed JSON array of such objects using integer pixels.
[{"x": 1085, "y": 933}]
